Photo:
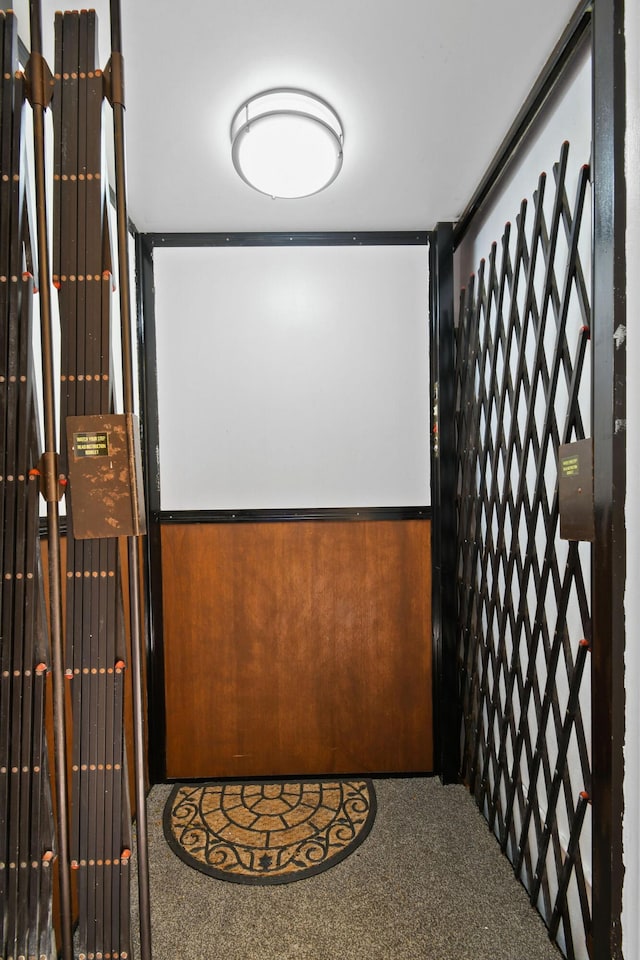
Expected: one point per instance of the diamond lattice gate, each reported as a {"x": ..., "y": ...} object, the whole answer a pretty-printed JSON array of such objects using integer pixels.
[{"x": 523, "y": 388}]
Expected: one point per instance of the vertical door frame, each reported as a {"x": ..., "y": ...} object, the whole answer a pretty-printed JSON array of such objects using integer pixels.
[
  {"x": 156, "y": 747},
  {"x": 446, "y": 706},
  {"x": 145, "y": 245},
  {"x": 609, "y": 440}
]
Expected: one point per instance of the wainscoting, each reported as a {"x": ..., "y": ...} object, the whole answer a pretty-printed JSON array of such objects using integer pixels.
[{"x": 297, "y": 648}]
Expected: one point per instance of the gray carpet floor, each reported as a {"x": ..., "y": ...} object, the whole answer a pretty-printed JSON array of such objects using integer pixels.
[{"x": 429, "y": 882}]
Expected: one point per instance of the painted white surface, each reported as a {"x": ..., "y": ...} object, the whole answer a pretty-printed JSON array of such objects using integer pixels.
[
  {"x": 426, "y": 92},
  {"x": 631, "y": 832},
  {"x": 292, "y": 377}
]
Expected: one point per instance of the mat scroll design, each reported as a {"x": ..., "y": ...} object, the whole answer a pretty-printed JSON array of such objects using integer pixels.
[{"x": 264, "y": 833}]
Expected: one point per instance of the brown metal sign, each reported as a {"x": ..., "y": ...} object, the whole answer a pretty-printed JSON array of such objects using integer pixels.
[
  {"x": 575, "y": 490},
  {"x": 105, "y": 489}
]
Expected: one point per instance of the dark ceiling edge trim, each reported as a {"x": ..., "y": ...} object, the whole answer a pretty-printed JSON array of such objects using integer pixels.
[
  {"x": 346, "y": 514},
  {"x": 551, "y": 73},
  {"x": 347, "y": 238}
]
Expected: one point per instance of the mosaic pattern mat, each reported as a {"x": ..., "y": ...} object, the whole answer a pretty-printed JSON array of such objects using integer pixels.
[{"x": 264, "y": 833}]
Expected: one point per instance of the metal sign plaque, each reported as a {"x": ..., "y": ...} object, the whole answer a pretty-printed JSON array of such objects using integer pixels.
[
  {"x": 90, "y": 445},
  {"x": 575, "y": 490},
  {"x": 105, "y": 476}
]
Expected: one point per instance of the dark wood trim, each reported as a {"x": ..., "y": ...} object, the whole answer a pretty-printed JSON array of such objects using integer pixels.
[
  {"x": 551, "y": 73},
  {"x": 320, "y": 777},
  {"x": 609, "y": 434},
  {"x": 344, "y": 238},
  {"x": 145, "y": 245},
  {"x": 153, "y": 555},
  {"x": 278, "y": 516},
  {"x": 446, "y": 711}
]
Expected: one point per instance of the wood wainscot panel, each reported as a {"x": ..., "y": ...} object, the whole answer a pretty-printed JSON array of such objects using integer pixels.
[{"x": 297, "y": 648}]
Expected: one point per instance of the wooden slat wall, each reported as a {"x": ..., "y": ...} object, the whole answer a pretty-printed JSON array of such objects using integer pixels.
[{"x": 300, "y": 648}]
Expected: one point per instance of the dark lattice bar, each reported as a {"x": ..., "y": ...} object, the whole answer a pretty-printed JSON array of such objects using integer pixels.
[
  {"x": 522, "y": 387},
  {"x": 26, "y": 821},
  {"x": 95, "y": 646}
]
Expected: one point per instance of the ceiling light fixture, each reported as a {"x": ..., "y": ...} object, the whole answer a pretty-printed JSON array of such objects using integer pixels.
[{"x": 287, "y": 143}]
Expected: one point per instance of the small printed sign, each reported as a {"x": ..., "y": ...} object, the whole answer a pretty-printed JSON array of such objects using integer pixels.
[
  {"x": 570, "y": 466},
  {"x": 575, "y": 490},
  {"x": 91, "y": 444}
]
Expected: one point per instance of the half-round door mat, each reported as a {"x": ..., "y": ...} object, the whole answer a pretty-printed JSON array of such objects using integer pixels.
[{"x": 264, "y": 833}]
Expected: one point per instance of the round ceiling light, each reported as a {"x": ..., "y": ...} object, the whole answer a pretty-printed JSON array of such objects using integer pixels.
[{"x": 287, "y": 143}]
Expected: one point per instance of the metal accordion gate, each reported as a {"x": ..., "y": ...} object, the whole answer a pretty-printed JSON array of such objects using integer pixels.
[
  {"x": 28, "y": 847},
  {"x": 84, "y": 853},
  {"x": 523, "y": 387}
]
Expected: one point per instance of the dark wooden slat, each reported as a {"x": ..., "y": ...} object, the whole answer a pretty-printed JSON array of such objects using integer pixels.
[
  {"x": 573, "y": 849},
  {"x": 25, "y": 801},
  {"x": 56, "y": 112},
  {"x": 95, "y": 640}
]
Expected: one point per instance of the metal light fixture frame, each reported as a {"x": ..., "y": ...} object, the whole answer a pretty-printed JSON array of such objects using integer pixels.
[{"x": 261, "y": 107}]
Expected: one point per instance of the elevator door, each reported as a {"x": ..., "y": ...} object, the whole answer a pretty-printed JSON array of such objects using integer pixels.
[{"x": 291, "y": 523}]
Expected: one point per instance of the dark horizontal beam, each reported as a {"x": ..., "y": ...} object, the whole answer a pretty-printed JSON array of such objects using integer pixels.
[
  {"x": 345, "y": 238},
  {"x": 277, "y": 516}
]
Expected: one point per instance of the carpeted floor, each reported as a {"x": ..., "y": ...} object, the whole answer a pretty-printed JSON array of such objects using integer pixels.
[{"x": 429, "y": 883}]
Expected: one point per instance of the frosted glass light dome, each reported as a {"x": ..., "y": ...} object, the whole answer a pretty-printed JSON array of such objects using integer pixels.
[{"x": 287, "y": 143}]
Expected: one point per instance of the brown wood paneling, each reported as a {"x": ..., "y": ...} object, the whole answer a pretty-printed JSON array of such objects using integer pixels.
[{"x": 297, "y": 648}]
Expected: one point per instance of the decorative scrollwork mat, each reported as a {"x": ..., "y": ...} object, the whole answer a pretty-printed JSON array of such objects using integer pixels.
[{"x": 263, "y": 833}]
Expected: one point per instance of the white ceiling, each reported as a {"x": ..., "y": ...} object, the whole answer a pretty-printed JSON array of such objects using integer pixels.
[{"x": 426, "y": 91}]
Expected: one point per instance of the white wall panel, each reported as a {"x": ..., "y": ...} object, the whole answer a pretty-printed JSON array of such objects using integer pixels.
[{"x": 292, "y": 377}]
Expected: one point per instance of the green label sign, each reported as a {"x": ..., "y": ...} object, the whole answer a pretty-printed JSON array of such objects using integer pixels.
[
  {"x": 91, "y": 444},
  {"x": 570, "y": 466}
]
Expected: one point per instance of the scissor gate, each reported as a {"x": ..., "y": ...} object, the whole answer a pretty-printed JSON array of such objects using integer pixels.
[
  {"x": 524, "y": 630},
  {"x": 95, "y": 638},
  {"x": 93, "y": 818},
  {"x": 26, "y": 822}
]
